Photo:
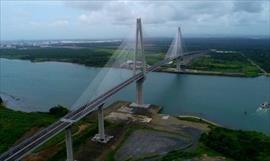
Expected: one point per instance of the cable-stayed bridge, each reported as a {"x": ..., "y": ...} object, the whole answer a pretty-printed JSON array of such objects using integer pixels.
[{"x": 175, "y": 52}]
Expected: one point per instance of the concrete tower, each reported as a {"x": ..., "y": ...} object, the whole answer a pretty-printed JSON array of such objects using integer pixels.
[
  {"x": 139, "y": 61},
  {"x": 140, "y": 64},
  {"x": 179, "y": 51}
]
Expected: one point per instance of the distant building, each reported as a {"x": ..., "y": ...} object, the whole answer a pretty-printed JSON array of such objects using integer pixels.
[
  {"x": 129, "y": 64},
  {"x": 225, "y": 52}
]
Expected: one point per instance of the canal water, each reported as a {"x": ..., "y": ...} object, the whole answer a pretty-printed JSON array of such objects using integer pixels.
[{"x": 230, "y": 101}]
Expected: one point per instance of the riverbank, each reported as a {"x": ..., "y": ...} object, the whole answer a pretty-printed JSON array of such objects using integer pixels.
[
  {"x": 198, "y": 119},
  {"x": 231, "y": 63},
  {"x": 234, "y": 65},
  {"x": 199, "y": 72},
  {"x": 167, "y": 69}
]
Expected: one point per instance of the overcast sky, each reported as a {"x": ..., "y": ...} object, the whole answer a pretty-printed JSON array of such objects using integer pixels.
[{"x": 115, "y": 19}]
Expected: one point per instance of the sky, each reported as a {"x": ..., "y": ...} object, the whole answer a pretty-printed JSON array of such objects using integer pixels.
[{"x": 111, "y": 19}]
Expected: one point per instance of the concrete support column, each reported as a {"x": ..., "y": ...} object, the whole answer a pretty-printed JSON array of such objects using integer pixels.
[
  {"x": 101, "y": 137},
  {"x": 139, "y": 92},
  {"x": 101, "y": 130},
  {"x": 69, "y": 144}
]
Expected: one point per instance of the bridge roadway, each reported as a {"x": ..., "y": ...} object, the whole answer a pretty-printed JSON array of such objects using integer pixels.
[{"x": 25, "y": 147}]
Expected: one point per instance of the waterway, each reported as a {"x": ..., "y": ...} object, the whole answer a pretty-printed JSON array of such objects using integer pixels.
[{"x": 230, "y": 101}]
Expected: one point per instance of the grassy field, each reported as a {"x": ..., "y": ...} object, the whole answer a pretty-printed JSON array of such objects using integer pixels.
[
  {"x": 14, "y": 124},
  {"x": 154, "y": 58},
  {"x": 224, "y": 63}
]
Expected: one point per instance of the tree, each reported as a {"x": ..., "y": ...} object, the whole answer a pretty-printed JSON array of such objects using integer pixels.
[
  {"x": 1, "y": 101},
  {"x": 58, "y": 111}
]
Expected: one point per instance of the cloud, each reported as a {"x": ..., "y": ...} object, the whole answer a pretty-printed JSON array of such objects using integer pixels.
[
  {"x": 248, "y": 6},
  {"x": 158, "y": 12},
  {"x": 115, "y": 18},
  {"x": 86, "y": 5},
  {"x": 83, "y": 18},
  {"x": 164, "y": 16},
  {"x": 56, "y": 23}
]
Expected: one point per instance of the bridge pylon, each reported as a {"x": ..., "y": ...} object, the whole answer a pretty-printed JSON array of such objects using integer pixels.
[
  {"x": 101, "y": 136},
  {"x": 179, "y": 50},
  {"x": 139, "y": 64}
]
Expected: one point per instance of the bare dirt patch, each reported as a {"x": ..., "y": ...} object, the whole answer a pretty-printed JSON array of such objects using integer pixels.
[
  {"x": 143, "y": 143},
  {"x": 94, "y": 151}
]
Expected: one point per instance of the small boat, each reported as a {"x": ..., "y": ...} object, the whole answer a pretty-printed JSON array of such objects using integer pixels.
[{"x": 264, "y": 105}]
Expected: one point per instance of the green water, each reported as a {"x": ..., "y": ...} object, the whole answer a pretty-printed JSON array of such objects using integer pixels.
[{"x": 30, "y": 86}]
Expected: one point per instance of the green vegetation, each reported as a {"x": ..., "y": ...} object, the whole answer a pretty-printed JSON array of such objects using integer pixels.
[
  {"x": 261, "y": 57},
  {"x": 233, "y": 144},
  {"x": 154, "y": 58},
  {"x": 14, "y": 124},
  {"x": 96, "y": 57},
  {"x": 257, "y": 49},
  {"x": 58, "y": 111},
  {"x": 89, "y": 57},
  {"x": 58, "y": 141},
  {"x": 237, "y": 144},
  {"x": 81, "y": 138},
  {"x": 225, "y": 63},
  {"x": 98, "y": 54}
]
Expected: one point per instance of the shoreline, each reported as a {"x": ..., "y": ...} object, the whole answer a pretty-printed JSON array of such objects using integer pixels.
[
  {"x": 13, "y": 102},
  {"x": 184, "y": 117},
  {"x": 199, "y": 119},
  {"x": 209, "y": 73},
  {"x": 160, "y": 70}
]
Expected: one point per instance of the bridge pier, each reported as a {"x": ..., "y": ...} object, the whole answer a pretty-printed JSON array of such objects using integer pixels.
[
  {"x": 101, "y": 137},
  {"x": 101, "y": 130},
  {"x": 69, "y": 144},
  {"x": 139, "y": 91},
  {"x": 139, "y": 95}
]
